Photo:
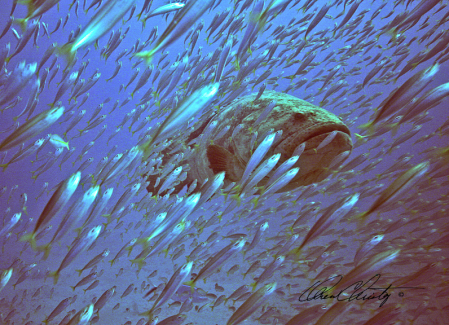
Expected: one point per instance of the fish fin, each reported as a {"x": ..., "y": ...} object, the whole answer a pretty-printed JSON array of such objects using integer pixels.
[
  {"x": 220, "y": 159},
  {"x": 129, "y": 249},
  {"x": 4, "y": 166},
  {"x": 191, "y": 284},
  {"x": 139, "y": 261},
  {"x": 394, "y": 128},
  {"x": 148, "y": 314},
  {"x": 393, "y": 33},
  {"x": 146, "y": 55},
  {"x": 253, "y": 286},
  {"x": 238, "y": 198},
  {"x": 369, "y": 126},
  {"x": 78, "y": 230},
  {"x": 237, "y": 64},
  {"x": 46, "y": 249},
  {"x": 31, "y": 238},
  {"x": 79, "y": 272},
  {"x": 144, "y": 241},
  {"x": 255, "y": 201},
  {"x": 22, "y": 22},
  {"x": 361, "y": 218},
  {"x": 55, "y": 276},
  {"x": 67, "y": 51},
  {"x": 73, "y": 288}
]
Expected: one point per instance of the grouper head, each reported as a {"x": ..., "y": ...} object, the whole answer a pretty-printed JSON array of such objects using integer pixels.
[{"x": 300, "y": 122}]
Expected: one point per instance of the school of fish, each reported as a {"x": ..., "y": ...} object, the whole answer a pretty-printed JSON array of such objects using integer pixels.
[{"x": 224, "y": 162}]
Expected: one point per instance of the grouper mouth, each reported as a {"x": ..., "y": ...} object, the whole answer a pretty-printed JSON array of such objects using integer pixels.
[
  {"x": 319, "y": 131},
  {"x": 312, "y": 163},
  {"x": 326, "y": 129}
]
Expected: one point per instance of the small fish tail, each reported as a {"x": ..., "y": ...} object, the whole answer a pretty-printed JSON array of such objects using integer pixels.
[
  {"x": 361, "y": 218},
  {"x": 253, "y": 286},
  {"x": 129, "y": 249},
  {"x": 46, "y": 249},
  {"x": 55, "y": 276},
  {"x": 393, "y": 33},
  {"x": 367, "y": 126},
  {"x": 30, "y": 238},
  {"x": 148, "y": 314},
  {"x": 79, "y": 272},
  {"x": 139, "y": 261},
  {"x": 191, "y": 284},
  {"x": 4, "y": 166},
  {"x": 255, "y": 201},
  {"x": 67, "y": 51},
  {"x": 146, "y": 55},
  {"x": 237, "y": 198},
  {"x": 73, "y": 288},
  {"x": 22, "y": 22}
]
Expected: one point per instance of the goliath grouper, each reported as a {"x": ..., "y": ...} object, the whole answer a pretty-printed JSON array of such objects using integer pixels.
[{"x": 300, "y": 122}]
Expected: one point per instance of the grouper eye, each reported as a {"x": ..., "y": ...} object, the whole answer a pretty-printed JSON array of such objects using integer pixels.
[{"x": 299, "y": 116}]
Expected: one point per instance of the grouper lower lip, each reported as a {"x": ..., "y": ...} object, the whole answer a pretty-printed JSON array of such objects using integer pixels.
[
  {"x": 313, "y": 164},
  {"x": 317, "y": 131},
  {"x": 327, "y": 129}
]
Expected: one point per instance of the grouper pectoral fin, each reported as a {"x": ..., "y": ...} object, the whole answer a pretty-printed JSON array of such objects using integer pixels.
[{"x": 220, "y": 159}]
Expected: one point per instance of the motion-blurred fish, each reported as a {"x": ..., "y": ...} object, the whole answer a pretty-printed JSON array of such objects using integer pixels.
[
  {"x": 58, "y": 200},
  {"x": 402, "y": 96},
  {"x": 83, "y": 316},
  {"x": 164, "y": 10},
  {"x": 35, "y": 9},
  {"x": 171, "y": 287},
  {"x": 400, "y": 184},
  {"x": 183, "y": 112},
  {"x": 103, "y": 21},
  {"x": 12, "y": 222},
  {"x": 216, "y": 261},
  {"x": 82, "y": 244},
  {"x": 16, "y": 80},
  {"x": 181, "y": 22},
  {"x": 251, "y": 304},
  {"x": 32, "y": 127},
  {"x": 5, "y": 277}
]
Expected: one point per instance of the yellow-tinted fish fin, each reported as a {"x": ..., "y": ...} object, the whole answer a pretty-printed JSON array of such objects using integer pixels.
[
  {"x": 139, "y": 261},
  {"x": 55, "y": 276},
  {"x": 4, "y": 166},
  {"x": 46, "y": 249},
  {"x": 146, "y": 55},
  {"x": 31, "y": 238},
  {"x": 22, "y": 22},
  {"x": 368, "y": 126},
  {"x": 129, "y": 249},
  {"x": 67, "y": 51},
  {"x": 191, "y": 284},
  {"x": 361, "y": 218},
  {"x": 253, "y": 286},
  {"x": 255, "y": 201}
]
